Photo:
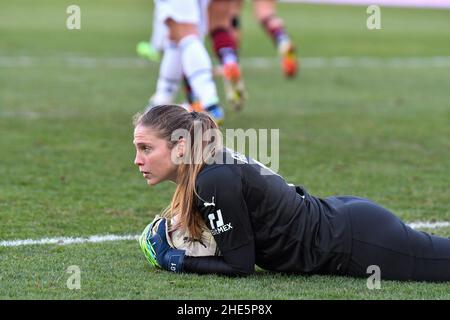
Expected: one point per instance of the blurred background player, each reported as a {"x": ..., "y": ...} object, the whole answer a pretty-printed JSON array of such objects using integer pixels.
[
  {"x": 220, "y": 13},
  {"x": 224, "y": 44},
  {"x": 185, "y": 21},
  {"x": 273, "y": 25}
]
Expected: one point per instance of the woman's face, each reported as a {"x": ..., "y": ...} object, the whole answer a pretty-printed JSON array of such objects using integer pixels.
[{"x": 153, "y": 156}]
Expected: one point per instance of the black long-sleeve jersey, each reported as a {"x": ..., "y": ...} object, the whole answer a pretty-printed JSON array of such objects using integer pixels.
[{"x": 258, "y": 218}]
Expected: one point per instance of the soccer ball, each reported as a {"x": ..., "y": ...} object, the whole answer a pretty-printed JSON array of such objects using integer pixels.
[{"x": 181, "y": 240}]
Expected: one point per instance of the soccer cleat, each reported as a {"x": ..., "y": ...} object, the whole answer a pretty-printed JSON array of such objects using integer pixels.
[
  {"x": 196, "y": 106},
  {"x": 234, "y": 85},
  {"x": 145, "y": 49},
  {"x": 150, "y": 104},
  {"x": 289, "y": 61},
  {"x": 216, "y": 112},
  {"x": 231, "y": 72},
  {"x": 157, "y": 100}
]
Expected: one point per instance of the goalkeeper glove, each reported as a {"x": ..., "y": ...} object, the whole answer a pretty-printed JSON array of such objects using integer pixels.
[
  {"x": 146, "y": 248},
  {"x": 167, "y": 257}
]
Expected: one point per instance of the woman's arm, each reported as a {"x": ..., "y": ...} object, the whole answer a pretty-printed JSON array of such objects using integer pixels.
[
  {"x": 239, "y": 262},
  {"x": 222, "y": 205}
]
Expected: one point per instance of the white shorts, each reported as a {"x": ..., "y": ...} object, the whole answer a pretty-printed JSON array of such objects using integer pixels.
[{"x": 184, "y": 11}]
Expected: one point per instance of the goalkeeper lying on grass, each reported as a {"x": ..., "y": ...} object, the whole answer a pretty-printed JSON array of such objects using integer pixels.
[{"x": 257, "y": 218}]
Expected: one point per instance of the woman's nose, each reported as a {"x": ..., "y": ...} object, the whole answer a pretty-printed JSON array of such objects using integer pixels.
[{"x": 138, "y": 160}]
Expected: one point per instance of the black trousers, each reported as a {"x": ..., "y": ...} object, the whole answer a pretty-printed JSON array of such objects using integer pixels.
[{"x": 380, "y": 238}]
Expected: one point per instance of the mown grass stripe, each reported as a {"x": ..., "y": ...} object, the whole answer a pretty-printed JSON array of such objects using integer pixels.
[
  {"x": 247, "y": 62},
  {"x": 112, "y": 237}
]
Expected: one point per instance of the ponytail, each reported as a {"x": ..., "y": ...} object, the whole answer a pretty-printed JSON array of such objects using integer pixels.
[{"x": 202, "y": 143}]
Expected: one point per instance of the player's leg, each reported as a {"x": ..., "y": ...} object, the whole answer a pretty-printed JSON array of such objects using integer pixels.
[
  {"x": 236, "y": 24},
  {"x": 170, "y": 74},
  {"x": 170, "y": 69},
  {"x": 183, "y": 18},
  {"x": 381, "y": 239},
  {"x": 265, "y": 12},
  {"x": 224, "y": 45}
]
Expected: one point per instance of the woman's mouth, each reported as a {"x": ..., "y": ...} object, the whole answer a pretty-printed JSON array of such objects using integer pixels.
[{"x": 146, "y": 174}]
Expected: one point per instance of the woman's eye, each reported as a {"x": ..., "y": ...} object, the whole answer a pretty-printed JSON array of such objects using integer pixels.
[{"x": 147, "y": 149}]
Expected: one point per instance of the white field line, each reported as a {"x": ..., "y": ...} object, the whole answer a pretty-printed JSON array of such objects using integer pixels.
[
  {"x": 67, "y": 240},
  {"x": 247, "y": 62},
  {"x": 442, "y": 4},
  {"x": 429, "y": 225},
  {"x": 111, "y": 237}
]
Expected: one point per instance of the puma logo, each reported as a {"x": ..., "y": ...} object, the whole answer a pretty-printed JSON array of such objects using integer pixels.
[{"x": 210, "y": 204}]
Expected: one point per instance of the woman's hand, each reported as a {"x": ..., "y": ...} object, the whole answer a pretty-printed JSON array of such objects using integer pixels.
[{"x": 157, "y": 247}]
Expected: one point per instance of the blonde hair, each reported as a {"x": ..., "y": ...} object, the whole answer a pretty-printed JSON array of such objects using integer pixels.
[{"x": 164, "y": 120}]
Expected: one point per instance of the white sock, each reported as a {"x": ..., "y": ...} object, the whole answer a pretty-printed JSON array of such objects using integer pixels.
[
  {"x": 197, "y": 67},
  {"x": 159, "y": 33},
  {"x": 170, "y": 73}
]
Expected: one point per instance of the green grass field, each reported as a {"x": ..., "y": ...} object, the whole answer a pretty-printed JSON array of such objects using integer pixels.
[{"x": 66, "y": 153}]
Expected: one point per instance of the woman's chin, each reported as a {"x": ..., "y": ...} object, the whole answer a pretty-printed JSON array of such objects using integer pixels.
[{"x": 152, "y": 182}]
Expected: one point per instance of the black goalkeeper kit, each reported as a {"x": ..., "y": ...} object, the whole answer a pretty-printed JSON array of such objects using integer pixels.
[{"x": 256, "y": 217}]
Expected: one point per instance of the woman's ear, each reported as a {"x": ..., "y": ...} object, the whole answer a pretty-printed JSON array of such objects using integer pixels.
[{"x": 181, "y": 147}]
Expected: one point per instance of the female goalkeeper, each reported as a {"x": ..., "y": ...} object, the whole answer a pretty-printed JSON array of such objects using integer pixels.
[{"x": 258, "y": 218}]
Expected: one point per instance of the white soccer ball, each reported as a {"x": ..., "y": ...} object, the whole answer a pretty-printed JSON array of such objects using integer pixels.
[{"x": 181, "y": 240}]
